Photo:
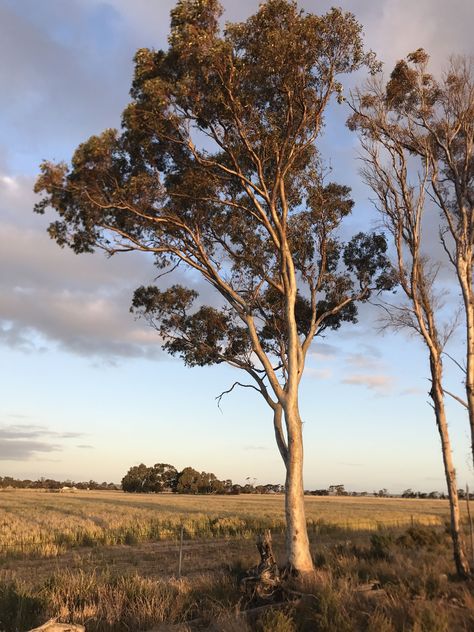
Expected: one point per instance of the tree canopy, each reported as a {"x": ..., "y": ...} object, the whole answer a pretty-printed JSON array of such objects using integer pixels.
[{"x": 217, "y": 168}]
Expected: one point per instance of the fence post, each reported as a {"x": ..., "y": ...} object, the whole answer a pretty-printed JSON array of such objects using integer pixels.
[{"x": 180, "y": 551}]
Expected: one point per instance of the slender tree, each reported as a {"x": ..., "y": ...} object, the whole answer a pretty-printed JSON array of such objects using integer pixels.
[
  {"x": 434, "y": 121},
  {"x": 382, "y": 115},
  {"x": 217, "y": 168}
]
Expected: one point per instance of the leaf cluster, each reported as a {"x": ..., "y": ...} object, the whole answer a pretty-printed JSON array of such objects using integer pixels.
[{"x": 216, "y": 167}]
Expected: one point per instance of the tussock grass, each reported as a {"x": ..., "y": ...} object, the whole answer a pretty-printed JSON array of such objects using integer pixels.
[
  {"x": 415, "y": 593},
  {"x": 107, "y": 603}
]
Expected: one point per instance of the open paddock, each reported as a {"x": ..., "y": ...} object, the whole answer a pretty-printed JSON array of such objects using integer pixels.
[
  {"x": 44, "y": 524},
  {"x": 110, "y": 560}
]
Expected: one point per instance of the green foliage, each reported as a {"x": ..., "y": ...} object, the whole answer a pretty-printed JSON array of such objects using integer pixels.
[
  {"x": 249, "y": 210},
  {"x": 163, "y": 477}
]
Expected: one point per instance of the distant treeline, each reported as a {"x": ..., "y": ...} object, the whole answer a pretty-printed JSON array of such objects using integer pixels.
[
  {"x": 163, "y": 477},
  {"x": 49, "y": 483}
]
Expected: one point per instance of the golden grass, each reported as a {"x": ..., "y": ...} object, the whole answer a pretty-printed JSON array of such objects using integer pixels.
[
  {"x": 412, "y": 568},
  {"x": 44, "y": 524},
  {"x": 113, "y": 588}
]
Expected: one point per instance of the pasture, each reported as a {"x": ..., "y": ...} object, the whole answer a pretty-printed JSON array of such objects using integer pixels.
[
  {"x": 110, "y": 560},
  {"x": 47, "y": 524}
]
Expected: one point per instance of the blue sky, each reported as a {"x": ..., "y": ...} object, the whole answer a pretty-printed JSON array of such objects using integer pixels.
[{"x": 85, "y": 389}]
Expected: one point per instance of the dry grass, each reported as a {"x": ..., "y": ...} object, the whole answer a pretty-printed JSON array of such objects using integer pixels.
[
  {"x": 42, "y": 524},
  {"x": 412, "y": 569},
  {"x": 122, "y": 587}
]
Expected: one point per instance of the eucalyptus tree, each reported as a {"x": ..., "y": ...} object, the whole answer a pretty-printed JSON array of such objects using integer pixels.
[
  {"x": 412, "y": 149},
  {"x": 217, "y": 168},
  {"x": 433, "y": 120}
]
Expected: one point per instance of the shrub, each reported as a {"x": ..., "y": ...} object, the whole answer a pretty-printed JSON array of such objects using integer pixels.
[
  {"x": 380, "y": 546},
  {"x": 418, "y": 536}
]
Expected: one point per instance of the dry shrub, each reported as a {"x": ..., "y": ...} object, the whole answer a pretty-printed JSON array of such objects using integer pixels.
[
  {"x": 276, "y": 621},
  {"x": 379, "y": 621},
  {"x": 106, "y": 603}
]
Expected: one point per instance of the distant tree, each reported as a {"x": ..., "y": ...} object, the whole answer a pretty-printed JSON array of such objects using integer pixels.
[
  {"x": 209, "y": 483},
  {"x": 189, "y": 481},
  {"x": 217, "y": 169},
  {"x": 227, "y": 484},
  {"x": 339, "y": 490},
  {"x": 135, "y": 479},
  {"x": 161, "y": 477}
]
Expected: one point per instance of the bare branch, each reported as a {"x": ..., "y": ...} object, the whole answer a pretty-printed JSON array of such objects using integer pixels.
[{"x": 219, "y": 397}]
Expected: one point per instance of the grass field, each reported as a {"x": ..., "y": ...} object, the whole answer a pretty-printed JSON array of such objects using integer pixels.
[
  {"x": 47, "y": 524},
  {"x": 110, "y": 560}
]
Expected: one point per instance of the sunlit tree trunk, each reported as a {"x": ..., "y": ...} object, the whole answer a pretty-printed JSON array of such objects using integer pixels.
[
  {"x": 297, "y": 542},
  {"x": 460, "y": 559},
  {"x": 465, "y": 278}
]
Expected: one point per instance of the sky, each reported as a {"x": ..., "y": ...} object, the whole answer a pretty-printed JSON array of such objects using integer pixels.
[{"x": 85, "y": 389}]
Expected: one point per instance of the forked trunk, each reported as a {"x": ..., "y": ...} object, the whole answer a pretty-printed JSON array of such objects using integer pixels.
[
  {"x": 460, "y": 559},
  {"x": 297, "y": 542}
]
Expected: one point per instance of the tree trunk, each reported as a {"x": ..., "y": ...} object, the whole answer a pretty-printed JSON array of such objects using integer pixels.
[
  {"x": 297, "y": 542},
  {"x": 465, "y": 278},
  {"x": 460, "y": 559}
]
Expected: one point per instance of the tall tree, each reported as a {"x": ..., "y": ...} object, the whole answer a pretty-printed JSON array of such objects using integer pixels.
[
  {"x": 433, "y": 119},
  {"x": 217, "y": 168},
  {"x": 390, "y": 119}
]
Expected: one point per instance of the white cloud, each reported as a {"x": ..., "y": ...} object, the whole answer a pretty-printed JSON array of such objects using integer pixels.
[
  {"x": 381, "y": 384},
  {"x": 412, "y": 391},
  {"x": 317, "y": 374},
  {"x": 323, "y": 350},
  {"x": 20, "y": 442}
]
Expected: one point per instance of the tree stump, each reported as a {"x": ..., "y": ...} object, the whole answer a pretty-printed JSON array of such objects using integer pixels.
[
  {"x": 53, "y": 626},
  {"x": 263, "y": 582}
]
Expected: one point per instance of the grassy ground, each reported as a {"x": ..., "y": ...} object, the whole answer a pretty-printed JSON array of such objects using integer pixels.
[
  {"x": 356, "y": 543},
  {"x": 46, "y": 524}
]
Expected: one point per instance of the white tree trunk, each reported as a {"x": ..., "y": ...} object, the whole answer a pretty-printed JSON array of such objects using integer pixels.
[
  {"x": 465, "y": 278},
  {"x": 297, "y": 542},
  {"x": 460, "y": 559}
]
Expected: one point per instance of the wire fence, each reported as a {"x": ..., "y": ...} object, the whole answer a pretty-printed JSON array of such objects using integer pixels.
[{"x": 58, "y": 543}]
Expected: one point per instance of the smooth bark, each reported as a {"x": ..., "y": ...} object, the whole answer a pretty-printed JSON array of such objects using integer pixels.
[
  {"x": 465, "y": 279},
  {"x": 401, "y": 202},
  {"x": 460, "y": 558},
  {"x": 297, "y": 542}
]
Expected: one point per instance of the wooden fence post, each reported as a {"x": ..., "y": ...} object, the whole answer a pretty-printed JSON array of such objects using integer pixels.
[{"x": 180, "y": 551}]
